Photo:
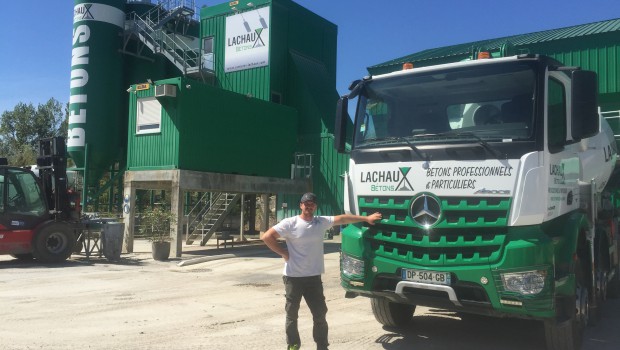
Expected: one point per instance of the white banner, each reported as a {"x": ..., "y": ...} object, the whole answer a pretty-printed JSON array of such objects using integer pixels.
[
  {"x": 247, "y": 40},
  {"x": 99, "y": 12},
  {"x": 443, "y": 178}
]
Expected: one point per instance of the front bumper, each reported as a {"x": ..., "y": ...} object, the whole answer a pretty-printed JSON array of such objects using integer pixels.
[{"x": 474, "y": 288}]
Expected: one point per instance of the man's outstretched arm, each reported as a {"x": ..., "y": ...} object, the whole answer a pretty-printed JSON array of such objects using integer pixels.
[{"x": 351, "y": 219}]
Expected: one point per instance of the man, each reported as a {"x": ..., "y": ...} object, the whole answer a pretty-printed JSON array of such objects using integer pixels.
[{"x": 304, "y": 264}]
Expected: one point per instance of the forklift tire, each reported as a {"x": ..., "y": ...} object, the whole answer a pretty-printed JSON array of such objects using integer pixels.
[
  {"x": 53, "y": 243},
  {"x": 23, "y": 257}
]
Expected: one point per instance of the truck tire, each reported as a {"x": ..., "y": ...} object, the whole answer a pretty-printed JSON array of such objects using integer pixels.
[
  {"x": 567, "y": 334},
  {"x": 601, "y": 264},
  {"x": 53, "y": 243},
  {"x": 613, "y": 287},
  {"x": 391, "y": 314}
]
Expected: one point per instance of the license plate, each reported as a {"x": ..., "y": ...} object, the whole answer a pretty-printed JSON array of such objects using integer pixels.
[{"x": 425, "y": 276}]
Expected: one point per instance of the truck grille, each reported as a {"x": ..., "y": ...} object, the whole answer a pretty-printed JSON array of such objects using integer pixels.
[{"x": 471, "y": 231}]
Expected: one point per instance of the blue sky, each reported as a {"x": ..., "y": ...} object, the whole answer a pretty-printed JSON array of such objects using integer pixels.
[{"x": 35, "y": 35}]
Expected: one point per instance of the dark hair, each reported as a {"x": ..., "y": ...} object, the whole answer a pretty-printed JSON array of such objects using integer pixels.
[{"x": 308, "y": 197}]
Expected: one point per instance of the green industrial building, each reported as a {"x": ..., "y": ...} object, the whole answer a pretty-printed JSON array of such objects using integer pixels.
[
  {"x": 234, "y": 102},
  {"x": 237, "y": 101}
]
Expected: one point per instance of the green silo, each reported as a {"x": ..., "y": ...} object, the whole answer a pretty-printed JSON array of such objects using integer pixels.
[{"x": 95, "y": 104}]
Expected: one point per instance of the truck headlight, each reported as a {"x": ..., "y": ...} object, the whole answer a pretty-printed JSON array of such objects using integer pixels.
[
  {"x": 351, "y": 267},
  {"x": 525, "y": 283}
]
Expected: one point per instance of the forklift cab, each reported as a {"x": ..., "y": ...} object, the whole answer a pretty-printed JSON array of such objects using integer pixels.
[{"x": 22, "y": 203}]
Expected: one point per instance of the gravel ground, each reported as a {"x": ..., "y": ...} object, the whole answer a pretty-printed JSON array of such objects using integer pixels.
[{"x": 234, "y": 300}]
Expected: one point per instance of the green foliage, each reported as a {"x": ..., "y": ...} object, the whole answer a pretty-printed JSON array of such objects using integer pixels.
[
  {"x": 155, "y": 223},
  {"x": 21, "y": 128}
]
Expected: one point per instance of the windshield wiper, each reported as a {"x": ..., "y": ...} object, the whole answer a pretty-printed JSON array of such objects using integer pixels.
[
  {"x": 417, "y": 151},
  {"x": 483, "y": 143}
]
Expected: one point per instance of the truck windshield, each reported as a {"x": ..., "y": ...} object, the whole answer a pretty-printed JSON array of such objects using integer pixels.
[{"x": 491, "y": 101}]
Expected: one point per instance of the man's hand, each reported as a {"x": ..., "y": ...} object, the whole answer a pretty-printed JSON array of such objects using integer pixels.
[{"x": 373, "y": 217}]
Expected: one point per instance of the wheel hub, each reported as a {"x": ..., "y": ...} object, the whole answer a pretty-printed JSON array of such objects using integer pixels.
[{"x": 56, "y": 243}]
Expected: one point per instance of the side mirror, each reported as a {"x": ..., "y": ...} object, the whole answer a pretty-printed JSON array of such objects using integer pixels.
[
  {"x": 584, "y": 102},
  {"x": 340, "y": 129}
]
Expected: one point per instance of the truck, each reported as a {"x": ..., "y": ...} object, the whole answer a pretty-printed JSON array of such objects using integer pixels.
[
  {"x": 499, "y": 185},
  {"x": 39, "y": 214}
]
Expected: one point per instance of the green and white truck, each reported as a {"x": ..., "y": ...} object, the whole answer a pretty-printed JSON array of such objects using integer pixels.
[{"x": 499, "y": 188}]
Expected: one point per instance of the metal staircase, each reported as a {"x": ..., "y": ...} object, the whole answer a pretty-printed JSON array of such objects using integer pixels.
[
  {"x": 163, "y": 30},
  {"x": 207, "y": 217}
]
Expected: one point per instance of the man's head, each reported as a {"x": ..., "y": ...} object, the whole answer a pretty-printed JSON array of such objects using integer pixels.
[
  {"x": 308, "y": 197},
  {"x": 307, "y": 204}
]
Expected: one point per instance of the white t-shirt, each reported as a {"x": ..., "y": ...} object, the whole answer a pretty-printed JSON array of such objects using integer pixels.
[{"x": 304, "y": 240}]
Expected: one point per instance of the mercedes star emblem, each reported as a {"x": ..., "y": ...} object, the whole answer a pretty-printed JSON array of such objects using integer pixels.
[{"x": 425, "y": 210}]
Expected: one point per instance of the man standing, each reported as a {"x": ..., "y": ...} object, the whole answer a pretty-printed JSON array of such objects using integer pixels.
[{"x": 304, "y": 264}]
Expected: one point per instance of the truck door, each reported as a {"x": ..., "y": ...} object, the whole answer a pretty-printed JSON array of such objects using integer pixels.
[{"x": 562, "y": 158}]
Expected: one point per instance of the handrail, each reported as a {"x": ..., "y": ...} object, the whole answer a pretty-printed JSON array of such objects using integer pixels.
[
  {"x": 196, "y": 206},
  {"x": 210, "y": 218},
  {"x": 166, "y": 42},
  {"x": 170, "y": 5},
  {"x": 214, "y": 206},
  {"x": 195, "y": 219}
]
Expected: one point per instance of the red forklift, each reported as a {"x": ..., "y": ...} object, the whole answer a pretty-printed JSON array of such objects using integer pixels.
[{"x": 39, "y": 215}]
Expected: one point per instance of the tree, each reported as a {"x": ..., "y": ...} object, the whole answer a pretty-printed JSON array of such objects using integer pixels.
[{"x": 21, "y": 128}]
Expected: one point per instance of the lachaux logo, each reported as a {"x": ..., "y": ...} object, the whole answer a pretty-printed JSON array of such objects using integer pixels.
[
  {"x": 251, "y": 39},
  {"x": 387, "y": 180},
  {"x": 402, "y": 185},
  {"x": 84, "y": 11},
  {"x": 259, "y": 41}
]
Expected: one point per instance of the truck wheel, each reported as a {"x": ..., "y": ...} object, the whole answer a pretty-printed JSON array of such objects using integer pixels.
[
  {"x": 391, "y": 314},
  {"x": 613, "y": 287},
  {"x": 568, "y": 334},
  {"x": 601, "y": 285},
  {"x": 54, "y": 243}
]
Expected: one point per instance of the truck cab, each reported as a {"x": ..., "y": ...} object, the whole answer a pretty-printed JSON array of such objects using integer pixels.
[{"x": 493, "y": 177}]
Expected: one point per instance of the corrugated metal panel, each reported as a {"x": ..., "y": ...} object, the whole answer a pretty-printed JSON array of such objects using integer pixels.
[
  {"x": 333, "y": 165},
  {"x": 316, "y": 78},
  {"x": 583, "y": 30},
  {"x": 158, "y": 150},
  {"x": 226, "y": 132},
  {"x": 594, "y": 46},
  {"x": 253, "y": 82},
  {"x": 302, "y": 70}
]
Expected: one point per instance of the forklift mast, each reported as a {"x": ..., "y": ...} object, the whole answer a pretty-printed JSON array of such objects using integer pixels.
[{"x": 52, "y": 164}]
